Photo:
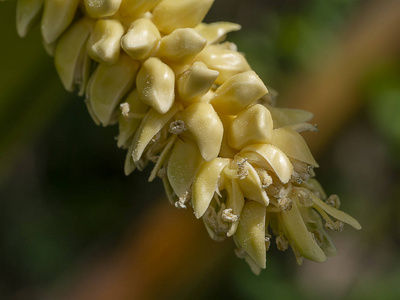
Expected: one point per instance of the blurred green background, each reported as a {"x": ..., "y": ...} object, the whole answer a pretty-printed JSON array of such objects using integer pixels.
[{"x": 64, "y": 201}]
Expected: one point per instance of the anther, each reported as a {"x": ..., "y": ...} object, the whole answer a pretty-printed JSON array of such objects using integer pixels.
[
  {"x": 125, "y": 109},
  {"x": 267, "y": 242},
  {"x": 183, "y": 200},
  {"x": 282, "y": 243},
  {"x": 335, "y": 226},
  {"x": 242, "y": 169},
  {"x": 334, "y": 201},
  {"x": 177, "y": 127},
  {"x": 285, "y": 204},
  {"x": 229, "y": 216}
]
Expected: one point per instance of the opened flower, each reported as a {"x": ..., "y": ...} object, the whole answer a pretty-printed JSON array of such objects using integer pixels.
[{"x": 190, "y": 103}]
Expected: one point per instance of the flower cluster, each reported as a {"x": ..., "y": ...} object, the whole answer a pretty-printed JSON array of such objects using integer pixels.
[{"x": 190, "y": 103}]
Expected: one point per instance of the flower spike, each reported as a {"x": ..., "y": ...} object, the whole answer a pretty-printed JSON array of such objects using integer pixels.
[{"x": 190, "y": 103}]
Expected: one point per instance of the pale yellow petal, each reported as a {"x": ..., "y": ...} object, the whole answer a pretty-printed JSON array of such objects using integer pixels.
[
  {"x": 206, "y": 183},
  {"x": 183, "y": 164},
  {"x": 169, "y": 15},
  {"x": 203, "y": 123},
  {"x": 275, "y": 158},
  {"x": 150, "y": 126},
  {"x": 216, "y": 32},
  {"x": 101, "y": 8},
  {"x": 196, "y": 81},
  {"x": 238, "y": 92},
  {"x": 156, "y": 84},
  {"x": 104, "y": 42},
  {"x": 251, "y": 186},
  {"x": 251, "y": 232},
  {"x": 337, "y": 214},
  {"x": 141, "y": 39},
  {"x": 288, "y": 116},
  {"x": 299, "y": 235},
  {"x": 226, "y": 61},
  {"x": 128, "y": 125},
  {"x": 28, "y": 13},
  {"x": 136, "y": 7},
  {"x": 109, "y": 84},
  {"x": 182, "y": 45},
  {"x": 293, "y": 145},
  {"x": 57, "y": 16},
  {"x": 68, "y": 52},
  {"x": 252, "y": 126}
]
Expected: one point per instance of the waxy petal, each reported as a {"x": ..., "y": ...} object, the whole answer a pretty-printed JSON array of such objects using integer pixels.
[
  {"x": 275, "y": 158},
  {"x": 150, "y": 126},
  {"x": 156, "y": 84},
  {"x": 183, "y": 165},
  {"x": 109, "y": 84},
  {"x": 206, "y": 183},
  {"x": 299, "y": 235},
  {"x": 203, "y": 123},
  {"x": 251, "y": 232},
  {"x": 293, "y": 145}
]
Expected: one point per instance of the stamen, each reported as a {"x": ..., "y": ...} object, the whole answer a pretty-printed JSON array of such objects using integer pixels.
[
  {"x": 282, "y": 243},
  {"x": 177, "y": 127},
  {"x": 127, "y": 114},
  {"x": 183, "y": 200},
  {"x": 285, "y": 204},
  {"x": 242, "y": 169},
  {"x": 267, "y": 242},
  {"x": 334, "y": 201},
  {"x": 335, "y": 226},
  {"x": 304, "y": 197},
  {"x": 125, "y": 109},
  {"x": 229, "y": 216}
]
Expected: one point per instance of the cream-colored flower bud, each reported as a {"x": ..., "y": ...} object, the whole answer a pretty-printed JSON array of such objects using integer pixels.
[
  {"x": 293, "y": 145},
  {"x": 57, "y": 15},
  {"x": 299, "y": 235},
  {"x": 109, "y": 84},
  {"x": 136, "y": 7},
  {"x": 234, "y": 201},
  {"x": 141, "y": 39},
  {"x": 104, "y": 42},
  {"x": 169, "y": 15},
  {"x": 203, "y": 123},
  {"x": 252, "y": 126},
  {"x": 70, "y": 51},
  {"x": 150, "y": 126},
  {"x": 101, "y": 8},
  {"x": 129, "y": 122},
  {"x": 216, "y": 32},
  {"x": 156, "y": 84},
  {"x": 226, "y": 61},
  {"x": 182, "y": 45},
  {"x": 196, "y": 81},
  {"x": 206, "y": 184},
  {"x": 183, "y": 165},
  {"x": 271, "y": 157},
  {"x": 251, "y": 232},
  {"x": 28, "y": 12},
  {"x": 288, "y": 116},
  {"x": 238, "y": 92}
]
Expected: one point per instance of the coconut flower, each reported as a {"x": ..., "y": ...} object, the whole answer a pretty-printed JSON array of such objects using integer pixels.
[{"x": 188, "y": 102}]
